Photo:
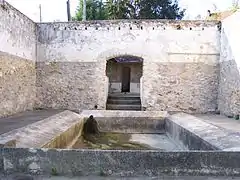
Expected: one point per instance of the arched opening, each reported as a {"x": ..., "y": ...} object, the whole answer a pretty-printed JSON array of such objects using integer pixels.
[{"x": 124, "y": 74}]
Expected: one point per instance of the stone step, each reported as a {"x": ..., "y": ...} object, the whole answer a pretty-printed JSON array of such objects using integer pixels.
[
  {"x": 124, "y": 96},
  {"x": 125, "y": 101},
  {"x": 123, "y": 107}
]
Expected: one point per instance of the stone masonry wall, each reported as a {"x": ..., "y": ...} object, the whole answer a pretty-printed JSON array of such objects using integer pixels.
[
  {"x": 229, "y": 84},
  {"x": 17, "y": 61},
  {"x": 180, "y": 68}
]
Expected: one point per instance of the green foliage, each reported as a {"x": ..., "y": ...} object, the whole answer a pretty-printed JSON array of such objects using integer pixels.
[
  {"x": 96, "y": 10},
  {"x": 159, "y": 9},
  {"x": 130, "y": 9},
  {"x": 236, "y": 117},
  {"x": 102, "y": 173},
  {"x": 235, "y": 8},
  {"x": 118, "y": 9},
  {"x": 54, "y": 171}
]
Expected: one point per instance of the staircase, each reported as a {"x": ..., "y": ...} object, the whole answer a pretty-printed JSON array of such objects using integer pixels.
[{"x": 122, "y": 101}]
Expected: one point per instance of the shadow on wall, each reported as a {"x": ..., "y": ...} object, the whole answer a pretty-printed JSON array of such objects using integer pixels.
[{"x": 229, "y": 92}]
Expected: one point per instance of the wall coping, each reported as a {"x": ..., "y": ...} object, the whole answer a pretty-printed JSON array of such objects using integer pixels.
[
  {"x": 5, "y": 4},
  {"x": 132, "y": 25},
  {"x": 140, "y": 21},
  {"x": 119, "y": 163}
]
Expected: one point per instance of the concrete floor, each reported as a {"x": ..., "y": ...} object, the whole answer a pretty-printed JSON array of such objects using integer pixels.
[
  {"x": 22, "y": 119},
  {"x": 221, "y": 121},
  {"x": 156, "y": 141}
]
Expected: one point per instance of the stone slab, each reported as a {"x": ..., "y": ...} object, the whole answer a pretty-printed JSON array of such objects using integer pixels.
[
  {"x": 120, "y": 163},
  {"x": 42, "y": 132},
  {"x": 221, "y": 121},
  {"x": 129, "y": 121},
  {"x": 18, "y": 176},
  {"x": 197, "y": 134}
]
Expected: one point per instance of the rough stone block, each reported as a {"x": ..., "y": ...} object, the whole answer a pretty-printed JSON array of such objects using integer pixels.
[
  {"x": 17, "y": 84},
  {"x": 121, "y": 163}
]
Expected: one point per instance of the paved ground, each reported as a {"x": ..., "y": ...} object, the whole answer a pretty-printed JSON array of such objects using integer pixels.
[
  {"x": 20, "y": 177},
  {"x": 22, "y": 119},
  {"x": 221, "y": 121}
]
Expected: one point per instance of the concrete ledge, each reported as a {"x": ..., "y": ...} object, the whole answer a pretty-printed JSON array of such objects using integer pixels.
[
  {"x": 196, "y": 134},
  {"x": 1, "y": 160},
  {"x": 55, "y": 131},
  {"x": 8, "y": 143},
  {"x": 129, "y": 121},
  {"x": 120, "y": 163}
]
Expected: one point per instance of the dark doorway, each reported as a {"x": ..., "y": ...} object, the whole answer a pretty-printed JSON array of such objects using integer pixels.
[{"x": 126, "y": 75}]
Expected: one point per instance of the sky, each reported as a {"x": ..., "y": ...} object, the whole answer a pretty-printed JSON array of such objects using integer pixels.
[
  {"x": 52, "y": 10},
  {"x": 200, "y": 7},
  {"x": 55, "y": 10}
]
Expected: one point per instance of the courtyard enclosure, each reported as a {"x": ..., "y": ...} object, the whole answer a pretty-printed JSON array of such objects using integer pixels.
[
  {"x": 185, "y": 65},
  {"x": 155, "y": 66}
]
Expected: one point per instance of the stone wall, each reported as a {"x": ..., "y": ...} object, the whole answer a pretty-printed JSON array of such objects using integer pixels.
[
  {"x": 229, "y": 85},
  {"x": 143, "y": 122},
  {"x": 180, "y": 68},
  {"x": 113, "y": 164},
  {"x": 17, "y": 61}
]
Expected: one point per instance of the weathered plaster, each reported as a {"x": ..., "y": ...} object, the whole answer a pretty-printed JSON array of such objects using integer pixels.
[
  {"x": 17, "y": 33},
  {"x": 229, "y": 85}
]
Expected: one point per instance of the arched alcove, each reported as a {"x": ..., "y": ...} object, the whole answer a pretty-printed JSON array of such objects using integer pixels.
[
  {"x": 120, "y": 57},
  {"x": 124, "y": 73}
]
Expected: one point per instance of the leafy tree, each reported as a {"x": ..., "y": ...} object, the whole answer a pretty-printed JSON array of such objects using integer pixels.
[
  {"x": 131, "y": 9},
  {"x": 117, "y": 9},
  {"x": 159, "y": 9},
  {"x": 95, "y": 10}
]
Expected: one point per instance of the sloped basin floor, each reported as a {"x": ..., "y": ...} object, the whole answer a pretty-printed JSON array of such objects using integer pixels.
[{"x": 112, "y": 141}]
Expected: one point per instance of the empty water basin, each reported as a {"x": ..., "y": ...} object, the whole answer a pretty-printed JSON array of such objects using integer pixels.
[{"x": 112, "y": 141}]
